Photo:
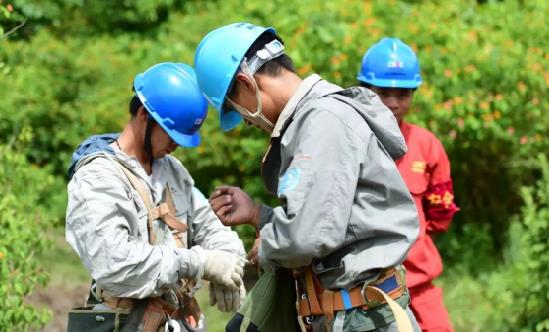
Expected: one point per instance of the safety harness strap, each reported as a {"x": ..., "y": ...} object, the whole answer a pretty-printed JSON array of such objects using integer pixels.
[
  {"x": 328, "y": 305},
  {"x": 343, "y": 300},
  {"x": 147, "y": 144},
  {"x": 165, "y": 211},
  {"x": 177, "y": 228},
  {"x": 311, "y": 294},
  {"x": 158, "y": 212},
  {"x": 384, "y": 290},
  {"x": 144, "y": 194},
  {"x": 401, "y": 317}
]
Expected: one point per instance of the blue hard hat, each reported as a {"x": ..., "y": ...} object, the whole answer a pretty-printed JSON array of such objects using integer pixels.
[
  {"x": 170, "y": 94},
  {"x": 217, "y": 60},
  {"x": 390, "y": 64}
]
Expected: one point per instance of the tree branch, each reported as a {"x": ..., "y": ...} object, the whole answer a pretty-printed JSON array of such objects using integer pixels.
[{"x": 13, "y": 30}]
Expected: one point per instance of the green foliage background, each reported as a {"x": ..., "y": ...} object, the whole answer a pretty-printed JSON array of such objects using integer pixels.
[
  {"x": 66, "y": 74},
  {"x": 21, "y": 241}
]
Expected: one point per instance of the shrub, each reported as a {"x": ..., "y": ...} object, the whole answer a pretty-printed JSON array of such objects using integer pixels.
[
  {"x": 67, "y": 17},
  {"x": 514, "y": 295},
  {"x": 22, "y": 225},
  {"x": 528, "y": 255}
]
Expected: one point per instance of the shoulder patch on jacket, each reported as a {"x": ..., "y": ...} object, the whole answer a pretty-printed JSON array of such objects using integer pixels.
[{"x": 289, "y": 180}]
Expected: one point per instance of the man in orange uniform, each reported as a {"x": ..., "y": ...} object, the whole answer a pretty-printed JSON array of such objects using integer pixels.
[{"x": 390, "y": 68}]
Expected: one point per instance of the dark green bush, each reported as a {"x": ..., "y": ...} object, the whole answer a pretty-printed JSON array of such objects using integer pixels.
[{"x": 67, "y": 17}]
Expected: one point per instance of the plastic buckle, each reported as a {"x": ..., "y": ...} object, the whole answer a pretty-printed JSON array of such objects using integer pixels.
[{"x": 270, "y": 51}]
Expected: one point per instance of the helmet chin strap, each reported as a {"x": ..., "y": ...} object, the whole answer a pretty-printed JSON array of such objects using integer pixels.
[{"x": 147, "y": 145}]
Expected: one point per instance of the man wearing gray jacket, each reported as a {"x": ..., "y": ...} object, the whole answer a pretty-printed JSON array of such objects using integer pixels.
[
  {"x": 146, "y": 235},
  {"x": 346, "y": 220}
]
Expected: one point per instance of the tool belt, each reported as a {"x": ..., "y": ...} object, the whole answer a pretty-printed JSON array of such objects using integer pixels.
[
  {"x": 313, "y": 300},
  {"x": 157, "y": 311}
]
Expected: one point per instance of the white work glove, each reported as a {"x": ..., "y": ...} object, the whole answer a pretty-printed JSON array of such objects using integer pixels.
[
  {"x": 227, "y": 299},
  {"x": 220, "y": 267}
]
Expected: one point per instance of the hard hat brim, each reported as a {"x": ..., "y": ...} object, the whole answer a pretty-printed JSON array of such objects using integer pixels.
[
  {"x": 187, "y": 141},
  {"x": 389, "y": 83},
  {"x": 229, "y": 120}
]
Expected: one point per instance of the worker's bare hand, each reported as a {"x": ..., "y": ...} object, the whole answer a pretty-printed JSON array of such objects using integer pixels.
[
  {"x": 252, "y": 256},
  {"x": 234, "y": 207}
]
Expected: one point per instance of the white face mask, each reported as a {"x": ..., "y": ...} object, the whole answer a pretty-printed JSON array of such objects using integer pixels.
[
  {"x": 249, "y": 67},
  {"x": 257, "y": 117}
]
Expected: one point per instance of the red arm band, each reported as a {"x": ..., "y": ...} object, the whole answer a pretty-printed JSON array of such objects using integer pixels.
[{"x": 438, "y": 202}]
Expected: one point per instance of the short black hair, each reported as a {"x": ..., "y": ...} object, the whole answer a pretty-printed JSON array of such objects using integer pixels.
[
  {"x": 135, "y": 104},
  {"x": 274, "y": 66}
]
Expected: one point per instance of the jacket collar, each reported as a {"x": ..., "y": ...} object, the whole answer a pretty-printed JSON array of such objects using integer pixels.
[{"x": 304, "y": 88}]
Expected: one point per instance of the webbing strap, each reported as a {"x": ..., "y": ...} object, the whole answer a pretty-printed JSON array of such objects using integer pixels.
[
  {"x": 311, "y": 293},
  {"x": 165, "y": 211},
  {"x": 339, "y": 321},
  {"x": 178, "y": 228},
  {"x": 158, "y": 212},
  {"x": 401, "y": 317},
  {"x": 346, "y": 299},
  {"x": 144, "y": 193},
  {"x": 328, "y": 305},
  {"x": 162, "y": 211},
  {"x": 300, "y": 318},
  {"x": 147, "y": 144},
  {"x": 173, "y": 223}
]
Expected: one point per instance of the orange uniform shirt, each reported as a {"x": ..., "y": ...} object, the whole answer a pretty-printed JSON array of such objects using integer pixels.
[{"x": 426, "y": 171}]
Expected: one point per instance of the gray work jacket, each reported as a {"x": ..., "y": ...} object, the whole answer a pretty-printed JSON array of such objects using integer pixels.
[
  {"x": 345, "y": 208},
  {"x": 106, "y": 224}
]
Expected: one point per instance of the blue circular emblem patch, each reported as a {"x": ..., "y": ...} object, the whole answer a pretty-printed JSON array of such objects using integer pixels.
[{"x": 289, "y": 181}]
